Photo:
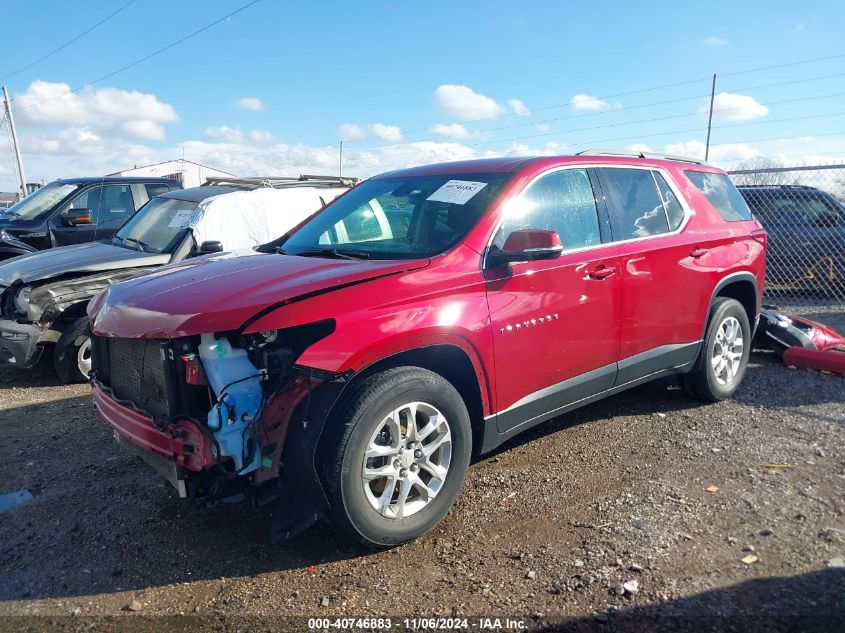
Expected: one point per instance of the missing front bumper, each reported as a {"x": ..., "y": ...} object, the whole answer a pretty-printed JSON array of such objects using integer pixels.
[{"x": 169, "y": 470}]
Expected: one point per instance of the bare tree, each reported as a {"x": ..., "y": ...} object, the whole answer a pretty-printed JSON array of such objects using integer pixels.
[{"x": 761, "y": 171}]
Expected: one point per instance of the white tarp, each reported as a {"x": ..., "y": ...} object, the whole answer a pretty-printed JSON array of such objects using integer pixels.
[{"x": 244, "y": 219}]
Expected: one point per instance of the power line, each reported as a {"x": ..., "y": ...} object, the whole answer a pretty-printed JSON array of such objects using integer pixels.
[
  {"x": 626, "y": 108},
  {"x": 68, "y": 43},
  {"x": 598, "y": 143},
  {"x": 633, "y": 92},
  {"x": 779, "y": 156},
  {"x": 145, "y": 58},
  {"x": 414, "y": 152}
]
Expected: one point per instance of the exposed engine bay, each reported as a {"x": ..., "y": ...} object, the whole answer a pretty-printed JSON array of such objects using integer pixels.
[{"x": 223, "y": 386}]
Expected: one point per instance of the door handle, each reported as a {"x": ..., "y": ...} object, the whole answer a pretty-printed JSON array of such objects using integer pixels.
[
  {"x": 699, "y": 252},
  {"x": 602, "y": 273}
]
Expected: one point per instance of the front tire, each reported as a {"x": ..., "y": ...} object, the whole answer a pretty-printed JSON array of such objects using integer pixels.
[
  {"x": 72, "y": 356},
  {"x": 724, "y": 353},
  {"x": 396, "y": 460}
]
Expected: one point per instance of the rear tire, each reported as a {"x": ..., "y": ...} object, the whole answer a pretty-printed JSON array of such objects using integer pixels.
[
  {"x": 72, "y": 356},
  {"x": 396, "y": 459},
  {"x": 724, "y": 353}
]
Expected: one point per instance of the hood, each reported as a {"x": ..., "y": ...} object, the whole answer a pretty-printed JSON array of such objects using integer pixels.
[
  {"x": 79, "y": 258},
  {"x": 220, "y": 293},
  {"x": 11, "y": 221}
]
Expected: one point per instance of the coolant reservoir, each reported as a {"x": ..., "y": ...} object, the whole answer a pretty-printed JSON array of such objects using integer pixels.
[{"x": 237, "y": 384}]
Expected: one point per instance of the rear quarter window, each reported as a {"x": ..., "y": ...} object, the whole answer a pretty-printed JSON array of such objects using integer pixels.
[{"x": 722, "y": 194}]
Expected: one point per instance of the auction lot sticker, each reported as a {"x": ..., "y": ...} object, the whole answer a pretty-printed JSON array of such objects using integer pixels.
[
  {"x": 457, "y": 191},
  {"x": 181, "y": 219}
]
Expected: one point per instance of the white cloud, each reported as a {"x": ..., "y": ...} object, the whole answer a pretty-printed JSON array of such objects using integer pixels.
[
  {"x": 518, "y": 107},
  {"x": 147, "y": 130},
  {"x": 260, "y": 136},
  {"x": 543, "y": 128},
  {"x": 722, "y": 151},
  {"x": 225, "y": 134},
  {"x": 46, "y": 103},
  {"x": 462, "y": 102},
  {"x": 421, "y": 153},
  {"x": 639, "y": 147},
  {"x": 351, "y": 132},
  {"x": 551, "y": 148},
  {"x": 730, "y": 106},
  {"x": 251, "y": 103},
  {"x": 583, "y": 101},
  {"x": 455, "y": 130},
  {"x": 387, "y": 132},
  {"x": 715, "y": 40}
]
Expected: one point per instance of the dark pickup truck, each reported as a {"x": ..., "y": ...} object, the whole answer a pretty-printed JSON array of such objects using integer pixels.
[{"x": 75, "y": 211}]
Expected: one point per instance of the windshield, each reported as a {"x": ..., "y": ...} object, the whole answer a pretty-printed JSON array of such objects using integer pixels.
[
  {"x": 399, "y": 218},
  {"x": 39, "y": 204},
  {"x": 158, "y": 227}
]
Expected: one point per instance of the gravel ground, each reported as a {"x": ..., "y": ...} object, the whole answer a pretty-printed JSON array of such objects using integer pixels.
[{"x": 601, "y": 518}]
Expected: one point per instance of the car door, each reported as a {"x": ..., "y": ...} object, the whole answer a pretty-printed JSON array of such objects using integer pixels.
[
  {"x": 555, "y": 323},
  {"x": 116, "y": 205},
  {"x": 662, "y": 286},
  {"x": 63, "y": 234}
]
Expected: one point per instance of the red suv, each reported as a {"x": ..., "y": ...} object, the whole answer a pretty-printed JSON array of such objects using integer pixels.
[{"x": 351, "y": 367}]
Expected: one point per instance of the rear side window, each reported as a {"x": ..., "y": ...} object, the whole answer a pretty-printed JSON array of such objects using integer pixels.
[
  {"x": 636, "y": 208},
  {"x": 156, "y": 190},
  {"x": 722, "y": 194},
  {"x": 674, "y": 210}
]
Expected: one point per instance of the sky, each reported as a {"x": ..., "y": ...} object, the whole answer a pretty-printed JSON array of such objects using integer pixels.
[{"x": 274, "y": 88}]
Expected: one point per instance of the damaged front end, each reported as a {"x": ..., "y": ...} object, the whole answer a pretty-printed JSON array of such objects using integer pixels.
[
  {"x": 34, "y": 314},
  {"x": 224, "y": 417},
  {"x": 22, "y": 338}
]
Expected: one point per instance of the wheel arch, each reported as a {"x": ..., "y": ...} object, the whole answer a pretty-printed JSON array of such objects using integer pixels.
[
  {"x": 451, "y": 362},
  {"x": 742, "y": 287},
  {"x": 71, "y": 313}
]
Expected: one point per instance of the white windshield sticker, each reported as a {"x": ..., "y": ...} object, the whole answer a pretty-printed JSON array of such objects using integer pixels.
[
  {"x": 457, "y": 191},
  {"x": 181, "y": 219}
]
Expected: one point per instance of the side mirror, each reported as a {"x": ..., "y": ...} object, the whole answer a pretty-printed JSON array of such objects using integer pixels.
[
  {"x": 75, "y": 217},
  {"x": 211, "y": 246},
  {"x": 527, "y": 245}
]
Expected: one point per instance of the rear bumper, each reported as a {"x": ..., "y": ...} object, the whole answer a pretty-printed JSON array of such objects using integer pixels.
[
  {"x": 182, "y": 443},
  {"x": 19, "y": 344}
]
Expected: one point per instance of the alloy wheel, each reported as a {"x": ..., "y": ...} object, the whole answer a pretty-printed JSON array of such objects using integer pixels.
[
  {"x": 727, "y": 351},
  {"x": 83, "y": 357},
  {"x": 407, "y": 460}
]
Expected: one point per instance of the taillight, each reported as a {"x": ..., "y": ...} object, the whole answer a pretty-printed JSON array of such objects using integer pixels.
[{"x": 761, "y": 236}]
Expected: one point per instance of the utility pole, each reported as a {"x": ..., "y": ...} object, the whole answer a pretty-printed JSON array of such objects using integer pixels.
[
  {"x": 340, "y": 162},
  {"x": 710, "y": 118},
  {"x": 15, "y": 146}
]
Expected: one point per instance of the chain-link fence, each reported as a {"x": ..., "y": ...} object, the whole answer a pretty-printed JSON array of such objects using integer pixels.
[{"x": 803, "y": 212}]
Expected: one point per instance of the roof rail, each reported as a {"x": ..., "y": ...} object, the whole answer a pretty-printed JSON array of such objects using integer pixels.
[
  {"x": 282, "y": 182},
  {"x": 616, "y": 152}
]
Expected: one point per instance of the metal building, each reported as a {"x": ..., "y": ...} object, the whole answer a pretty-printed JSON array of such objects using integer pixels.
[{"x": 189, "y": 173}]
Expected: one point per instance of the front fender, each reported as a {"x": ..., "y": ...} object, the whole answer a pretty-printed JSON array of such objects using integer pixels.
[{"x": 385, "y": 317}]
